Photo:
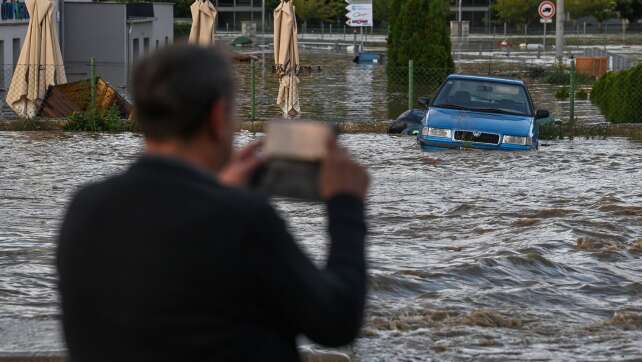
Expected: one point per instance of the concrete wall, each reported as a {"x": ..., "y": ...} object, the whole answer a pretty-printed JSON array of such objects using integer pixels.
[
  {"x": 96, "y": 30},
  {"x": 141, "y": 35},
  {"x": 12, "y": 37},
  {"x": 163, "y": 24}
]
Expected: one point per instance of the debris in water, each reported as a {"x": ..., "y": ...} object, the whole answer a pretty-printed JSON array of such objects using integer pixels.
[
  {"x": 626, "y": 320},
  {"x": 490, "y": 319},
  {"x": 636, "y": 247},
  {"x": 526, "y": 222},
  {"x": 597, "y": 245}
]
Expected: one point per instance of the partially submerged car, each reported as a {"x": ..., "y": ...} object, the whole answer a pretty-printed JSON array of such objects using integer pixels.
[{"x": 483, "y": 113}]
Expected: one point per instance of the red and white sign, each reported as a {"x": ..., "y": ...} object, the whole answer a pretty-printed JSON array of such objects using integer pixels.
[{"x": 547, "y": 10}]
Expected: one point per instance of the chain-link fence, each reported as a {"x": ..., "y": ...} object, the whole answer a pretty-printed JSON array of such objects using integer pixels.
[
  {"x": 355, "y": 93},
  {"x": 334, "y": 89}
]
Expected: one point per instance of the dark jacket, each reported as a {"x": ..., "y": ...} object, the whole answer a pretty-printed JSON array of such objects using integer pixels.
[{"x": 162, "y": 263}]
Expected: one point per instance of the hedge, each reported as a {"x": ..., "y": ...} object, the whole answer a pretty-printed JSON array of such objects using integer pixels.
[{"x": 619, "y": 95}]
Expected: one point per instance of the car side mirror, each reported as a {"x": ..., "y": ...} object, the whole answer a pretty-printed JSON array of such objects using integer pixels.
[
  {"x": 541, "y": 114},
  {"x": 424, "y": 101}
]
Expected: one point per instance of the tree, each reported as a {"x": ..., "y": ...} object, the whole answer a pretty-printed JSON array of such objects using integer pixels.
[
  {"x": 419, "y": 31},
  {"x": 629, "y": 9},
  {"x": 517, "y": 12},
  {"x": 601, "y": 10},
  {"x": 381, "y": 9}
]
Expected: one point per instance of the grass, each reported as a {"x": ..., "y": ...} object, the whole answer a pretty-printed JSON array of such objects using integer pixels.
[{"x": 98, "y": 121}]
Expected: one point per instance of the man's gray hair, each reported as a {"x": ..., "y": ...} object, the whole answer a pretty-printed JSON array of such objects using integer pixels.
[{"x": 175, "y": 88}]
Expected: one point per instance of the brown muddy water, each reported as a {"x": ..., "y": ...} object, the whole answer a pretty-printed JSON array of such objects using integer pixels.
[
  {"x": 345, "y": 91},
  {"x": 473, "y": 255}
]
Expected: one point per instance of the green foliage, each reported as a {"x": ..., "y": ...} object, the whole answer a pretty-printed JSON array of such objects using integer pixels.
[
  {"x": 419, "y": 31},
  {"x": 582, "y": 94},
  {"x": 97, "y": 121},
  {"x": 629, "y": 9},
  {"x": 182, "y": 30},
  {"x": 562, "y": 93},
  {"x": 619, "y": 97},
  {"x": 562, "y": 76},
  {"x": 517, "y": 11},
  {"x": 321, "y": 10},
  {"x": 600, "y": 9}
]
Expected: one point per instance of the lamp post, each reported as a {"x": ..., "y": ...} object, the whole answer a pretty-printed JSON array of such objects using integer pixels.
[
  {"x": 263, "y": 17},
  {"x": 459, "y": 19},
  {"x": 559, "y": 31}
]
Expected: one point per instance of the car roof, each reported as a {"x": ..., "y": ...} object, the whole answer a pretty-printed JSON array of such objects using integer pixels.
[{"x": 486, "y": 79}]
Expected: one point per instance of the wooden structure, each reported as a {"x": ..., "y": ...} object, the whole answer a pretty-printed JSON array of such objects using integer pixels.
[
  {"x": 594, "y": 67},
  {"x": 65, "y": 99}
]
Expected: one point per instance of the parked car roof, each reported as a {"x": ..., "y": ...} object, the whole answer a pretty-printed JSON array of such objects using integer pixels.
[{"x": 486, "y": 79}]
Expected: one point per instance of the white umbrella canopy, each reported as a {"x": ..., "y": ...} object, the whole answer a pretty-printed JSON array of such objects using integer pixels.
[
  {"x": 286, "y": 58},
  {"x": 203, "y": 23},
  {"x": 40, "y": 63}
]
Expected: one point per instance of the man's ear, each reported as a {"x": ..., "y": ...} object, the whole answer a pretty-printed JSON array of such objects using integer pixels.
[{"x": 217, "y": 121}]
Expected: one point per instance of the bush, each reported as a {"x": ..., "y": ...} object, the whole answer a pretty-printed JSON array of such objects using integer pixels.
[
  {"x": 181, "y": 30},
  {"x": 582, "y": 94},
  {"x": 562, "y": 93},
  {"x": 619, "y": 97},
  {"x": 97, "y": 121},
  {"x": 562, "y": 76},
  {"x": 419, "y": 32}
]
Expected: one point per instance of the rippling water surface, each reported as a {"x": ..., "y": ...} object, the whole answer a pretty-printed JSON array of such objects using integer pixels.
[{"x": 473, "y": 255}]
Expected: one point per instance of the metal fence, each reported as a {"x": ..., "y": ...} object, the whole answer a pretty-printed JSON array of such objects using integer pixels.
[
  {"x": 337, "y": 90},
  {"x": 617, "y": 62}
]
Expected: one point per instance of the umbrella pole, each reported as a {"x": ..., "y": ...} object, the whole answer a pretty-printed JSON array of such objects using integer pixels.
[
  {"x": 253, "y": 86},
  {"x": 92, "y": 75}
]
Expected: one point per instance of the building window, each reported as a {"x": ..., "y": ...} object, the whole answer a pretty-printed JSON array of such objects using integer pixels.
[
  {"x": 136, "y": 50},
  {"x": 16, "y": 51},
  {"x": 146, "y": 45}
]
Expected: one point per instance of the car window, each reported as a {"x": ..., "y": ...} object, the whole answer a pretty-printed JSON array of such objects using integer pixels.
[{"x": 483, "y": 96}]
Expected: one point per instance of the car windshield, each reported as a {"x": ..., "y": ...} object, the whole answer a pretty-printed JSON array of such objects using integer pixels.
[{"x": 483, "y": 96}]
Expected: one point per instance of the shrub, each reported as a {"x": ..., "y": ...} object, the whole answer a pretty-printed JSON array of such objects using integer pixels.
[
  {"x": 97, "y": 121},
  {"x": 562, "y": 76},
  {"x": 619, "y": 97},
  {"x": 419, "y": 32},
  {"x": 582, "y": 94},
  {"x": 181, "y": 30},
  {"x": 562, "y": 93}
]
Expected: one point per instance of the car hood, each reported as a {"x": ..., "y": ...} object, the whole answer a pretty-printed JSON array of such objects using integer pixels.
[{"x": 478, "y": 121}]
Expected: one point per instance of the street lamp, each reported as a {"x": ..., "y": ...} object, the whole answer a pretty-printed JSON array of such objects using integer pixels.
[{"x": 459, "y": 19}]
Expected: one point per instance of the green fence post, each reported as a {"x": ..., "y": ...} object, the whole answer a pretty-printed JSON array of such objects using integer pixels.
[
  {"x": 411, "y": 84},
  {"x": 92, "y": 76},
  {"x": 253, "y": 89},
  {"x": 572, "y": 97}
]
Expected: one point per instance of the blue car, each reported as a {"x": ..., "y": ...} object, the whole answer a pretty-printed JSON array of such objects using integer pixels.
[{"x": 482, "y": 113}]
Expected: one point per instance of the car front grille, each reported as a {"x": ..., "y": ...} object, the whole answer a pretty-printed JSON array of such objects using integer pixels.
[{"x": 467, "y": 136}]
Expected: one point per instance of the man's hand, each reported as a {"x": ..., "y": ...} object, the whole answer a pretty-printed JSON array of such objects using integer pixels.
[
  {"x": 340, "y": 174},
  {"x": 241, "y": 167}
]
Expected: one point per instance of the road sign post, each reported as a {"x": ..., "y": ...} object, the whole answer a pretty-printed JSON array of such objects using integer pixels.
[{"x": 546, "y": 11}]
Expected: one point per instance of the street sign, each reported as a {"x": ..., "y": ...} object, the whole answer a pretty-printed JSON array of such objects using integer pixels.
[
  {"x": 547, "y": 10},
  {"x": 359, "y": 13},
  {"x": 545, "y": 21}
]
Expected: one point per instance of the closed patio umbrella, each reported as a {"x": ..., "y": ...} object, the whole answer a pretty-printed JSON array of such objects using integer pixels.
[
  {"x": 40, "y": 63},
  {"x": 203, "y": 23},
  {"x": 286, "y": 58}
]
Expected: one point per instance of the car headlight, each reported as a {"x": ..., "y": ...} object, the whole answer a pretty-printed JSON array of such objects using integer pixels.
[
  {"x": 515, "y": 140},
  {"x": 437, "y": 132}
]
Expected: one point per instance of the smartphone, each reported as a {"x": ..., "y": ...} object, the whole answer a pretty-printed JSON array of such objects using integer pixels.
[{"x": 293, "y": 151}]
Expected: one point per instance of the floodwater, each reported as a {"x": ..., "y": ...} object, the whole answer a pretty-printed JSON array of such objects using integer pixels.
[
  {"x": 344, "y": 91},
  {"x": 473, "y": 255}
]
